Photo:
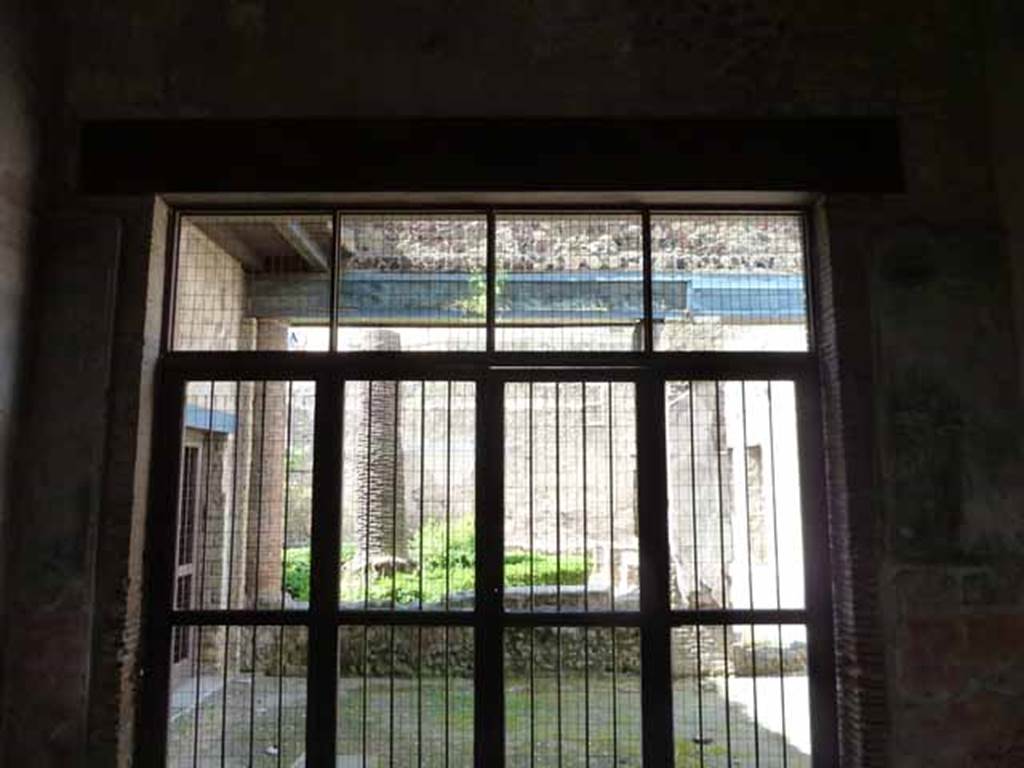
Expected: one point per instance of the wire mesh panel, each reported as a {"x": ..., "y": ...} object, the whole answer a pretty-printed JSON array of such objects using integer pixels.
[
  {"x": 253, "y": 283},
  {"x": 397, "y": 493},
  {"x": 734, "y": 503},
  {"x": 568, "y": 282},
  {"x": 572, "y": 696},
  {"x": 409, "y": 489},
  {"x": 728, "y": 282},
  {"x": 412, "y": 282},
  {"x": 242, "y": 700},
  {"x": 244, "y": 509},
  {"x": 740, "y": 696},
  {"x": 570, "y": 496},
  {"x": 405, "y": 696}
]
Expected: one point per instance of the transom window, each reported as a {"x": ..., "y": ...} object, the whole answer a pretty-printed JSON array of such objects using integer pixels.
[{"x": 489, "y": 487}]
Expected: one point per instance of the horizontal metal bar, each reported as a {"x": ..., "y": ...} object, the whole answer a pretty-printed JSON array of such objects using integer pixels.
[
  {"x": 308, "y": 365},
  {"x": 474, "y": 204},
  {"x": 567, "y": 374},
  {"x": 572, "y": 619},
  {"x": 478, "y": 365},
  {"x": 408, "y": 617},
  {"x": 208, "y": 618},
  {"x": 738, "y": 617}
]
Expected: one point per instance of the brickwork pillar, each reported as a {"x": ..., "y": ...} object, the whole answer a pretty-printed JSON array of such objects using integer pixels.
[{"x": 265, "y": 535}]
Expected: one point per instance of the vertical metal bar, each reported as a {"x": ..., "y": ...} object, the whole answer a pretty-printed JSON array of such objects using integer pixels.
[
  {"x": 394, "y": 497},
  {"x": 369, "y": 493},
  {"x": 615, "y": 699},
  {"x": 325, "y": 538},
  {"x": 170, "y": 281},
  {"x": 750, "y": 569},
  {"x": 782, "y": 699},
  {"x": 533, "y": 700},
  {"x": 447, "y": 701},
  {"x": 419, "y": 694},
  {"x": 164, "y": 497},
  {"x": 648, "y": 320},
  {"x": 778, "y": 587},
  {"x": 586, "y": 696},
  {"x": 696, "y": 568},
  {"x": 334, "y": 313},
  {"x": 611, "y": 570},
  {"x": 489, "y": 701},
  {"x": 252, "y": 701},
  {"x": 391, "y": 701},
  {"x": 234, "y": 495},
  {"x": 279, "y": 745},
  {"x": 558, "y": 498},
  {"x": 586, "y": 587},
  {"x": 810, "y": 271},
  {"x": 195, "y": 726},
  {"x": 728, "y": 701},
  {"x": 224, "y": 699},
  {"x": 558, "y": 689},
  {"x": 207, "y": 453},
  {"x": 423, "y": 467},
  {"x": 491, "y": 267},
  {"x": 448, "y": 501},
  {"x": 531, "y": 630},
  {"x": 721, "y": 542},
  {"x": 341, "y": 507},
  {"x": 583, "y": 433},
  {"x": 366, "y": 691},
  {"x": 821, "y": 671},
  {"x": 284, "y": 566},
  {"x": 259, "y": 495},
  {"x": 231, "y": 563},
  {"x": 775, "y": 509},
  {"x": 529, "y": 473},
  {"x": 721, "y": 492},
  {"x": 656, "y": 692},
  {"x": 611, "y": 496},
  {"x": 258, "y": 585},
  {"x": 746, "y": 492}
]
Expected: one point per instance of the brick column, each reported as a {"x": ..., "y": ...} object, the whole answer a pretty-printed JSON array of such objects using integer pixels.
[{"x": 265, "y": 534}]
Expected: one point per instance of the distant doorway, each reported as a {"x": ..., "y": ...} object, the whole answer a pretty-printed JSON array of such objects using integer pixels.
[{"x": 182, "y": 651}]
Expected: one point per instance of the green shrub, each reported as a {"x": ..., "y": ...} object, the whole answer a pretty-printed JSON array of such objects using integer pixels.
[
  {"x": 296, "y": 572},
  {"x": 446, "y": 569}
]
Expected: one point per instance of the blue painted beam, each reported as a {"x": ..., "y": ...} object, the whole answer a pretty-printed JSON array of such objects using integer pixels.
[
  {"x": 221, "y": 422},
  {"x": 435, "y": 297}
]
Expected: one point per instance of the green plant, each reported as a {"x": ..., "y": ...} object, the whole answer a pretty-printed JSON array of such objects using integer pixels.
[
  {"x": 449, "y": 567},
  {"x": 296, "y": 572},
  {"x": 296, "y": 569},
  {"x": 546, "y": 569},
  {"x": 474, "y": 303}
]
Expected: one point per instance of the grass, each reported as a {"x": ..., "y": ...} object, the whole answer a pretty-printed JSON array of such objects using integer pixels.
[
  {"x": 446, "y": 570},
  {"x": 383, "y": 702}
]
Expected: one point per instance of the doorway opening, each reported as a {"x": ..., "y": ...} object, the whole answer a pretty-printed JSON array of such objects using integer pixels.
[{"x": 490, "y": 487}]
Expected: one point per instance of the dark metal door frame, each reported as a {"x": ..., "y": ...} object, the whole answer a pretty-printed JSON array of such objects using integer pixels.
[{"x": 490, "y": 370}]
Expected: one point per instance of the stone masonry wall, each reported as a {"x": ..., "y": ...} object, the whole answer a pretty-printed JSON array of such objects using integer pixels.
[{"x": 926, "y": 533}]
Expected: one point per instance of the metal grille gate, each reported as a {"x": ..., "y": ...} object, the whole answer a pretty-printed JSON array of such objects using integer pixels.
[{"x": 656, "y": 619}]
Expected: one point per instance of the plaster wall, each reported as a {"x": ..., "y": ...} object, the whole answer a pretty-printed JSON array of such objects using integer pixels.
[
  {"x": 924, "y": 323},
  {"x": 18, "y": 169}
]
